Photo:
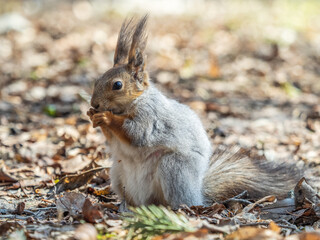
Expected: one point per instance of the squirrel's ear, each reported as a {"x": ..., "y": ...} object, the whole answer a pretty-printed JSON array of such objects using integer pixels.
[
  {"x": 136, "y": 61},
  {"x": 123, "y": 43}
]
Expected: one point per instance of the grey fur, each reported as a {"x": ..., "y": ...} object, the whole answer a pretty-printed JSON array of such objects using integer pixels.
[
  {"x": 233, "y": 170},
  {"x": 164, "y": 123}
]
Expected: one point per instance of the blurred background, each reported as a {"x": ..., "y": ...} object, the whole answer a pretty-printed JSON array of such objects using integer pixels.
[{"x": 251, "y": 69}]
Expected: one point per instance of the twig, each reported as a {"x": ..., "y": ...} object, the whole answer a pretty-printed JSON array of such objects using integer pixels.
[
  {"x": 262, "y": 200},
  {"x": 24, "y": 191},
  {"x": 15, "y": 217},
  {"x": 28, "y": 212},
  {"x": 47, "y": 201},
  {"x": 289, "y": 224},
  {"x": 43, "y": 209},
  {"x": 235, "y": 200},
  {"x": 238, "y": 199},
  {"x": 214, "y": 228},
  {"x": 242, "y": 195}
]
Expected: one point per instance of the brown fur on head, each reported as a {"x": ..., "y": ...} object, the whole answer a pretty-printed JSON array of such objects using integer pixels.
[{"x": 127, "y": 79}]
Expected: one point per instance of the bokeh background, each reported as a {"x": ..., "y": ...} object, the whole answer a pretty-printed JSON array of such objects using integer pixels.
[{"x": 251, "y": 70}]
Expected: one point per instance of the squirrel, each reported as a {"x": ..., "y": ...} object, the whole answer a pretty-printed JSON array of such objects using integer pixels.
[{"x": 160, "y": 150}]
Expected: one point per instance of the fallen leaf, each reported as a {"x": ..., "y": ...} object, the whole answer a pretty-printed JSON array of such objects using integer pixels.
[
  {"x": 304, "y": 191},
  {"x": 253, "y": 233},
  {"x": 109, "y": 206},
  {"x": 274, "y": 227},
  {"x": 214, "y": 71},
  {"x": 265, "y": 200},
  {"x": 304, "y": 236},
  {"x": 71, "y": 182},
  {"x": 70, "y": 204},
  {"x": 7, "y": 226},
  {"x": 91, "y": 213},
  {"x": 20, "y": 208},
  {"x": 5, "y": 177},
  {"x": 102, "y": 191}
]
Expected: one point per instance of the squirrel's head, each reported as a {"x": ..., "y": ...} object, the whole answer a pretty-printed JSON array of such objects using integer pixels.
[{"x": 116, "y": 89}]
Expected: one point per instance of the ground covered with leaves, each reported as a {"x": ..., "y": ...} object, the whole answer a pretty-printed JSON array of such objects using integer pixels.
[{"x": 251, "y": 71}]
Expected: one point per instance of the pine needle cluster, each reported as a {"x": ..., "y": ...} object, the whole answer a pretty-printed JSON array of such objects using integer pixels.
[{"x": 147, "y": 221}]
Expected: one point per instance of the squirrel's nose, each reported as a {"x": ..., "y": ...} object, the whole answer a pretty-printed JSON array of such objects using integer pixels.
[{"x": 96, "y": 106}]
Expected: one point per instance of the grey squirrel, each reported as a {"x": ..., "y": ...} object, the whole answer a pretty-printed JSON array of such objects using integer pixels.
[{"x": 161, "y": 153}]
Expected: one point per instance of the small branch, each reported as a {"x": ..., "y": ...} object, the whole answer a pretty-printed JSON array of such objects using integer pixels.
[
  {"x": 214, "y": 228},
  {"x": 289, "y": 224},
  {"x": 15, "y": 217},
  {"x": 235, "y": 200},
  {"x": 238, "y": 199},
  {"x": 43, "y": 209}
]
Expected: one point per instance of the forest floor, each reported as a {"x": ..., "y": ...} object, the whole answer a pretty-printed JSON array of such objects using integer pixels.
[{"x": 252, "y": 73}]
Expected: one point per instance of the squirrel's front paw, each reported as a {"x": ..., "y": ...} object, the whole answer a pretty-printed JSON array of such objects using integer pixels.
[
  {"x": 91, "y": 112},
  {"x": 101, "y": 119}
]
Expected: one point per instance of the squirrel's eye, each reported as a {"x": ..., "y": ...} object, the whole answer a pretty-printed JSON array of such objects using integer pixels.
[{"x": 117, "y": 85}]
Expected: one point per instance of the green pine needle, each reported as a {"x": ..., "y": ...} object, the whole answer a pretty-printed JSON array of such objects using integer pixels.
[{"x": 144, "y": 222}]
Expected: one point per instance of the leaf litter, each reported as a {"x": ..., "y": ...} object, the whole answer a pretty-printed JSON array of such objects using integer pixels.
[{"x": 255, "y": 88}]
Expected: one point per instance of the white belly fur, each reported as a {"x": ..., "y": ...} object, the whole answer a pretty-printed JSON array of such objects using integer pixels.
[{"x": 137, "y": 169}]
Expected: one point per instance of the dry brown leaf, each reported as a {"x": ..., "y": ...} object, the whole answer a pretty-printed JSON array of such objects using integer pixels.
[
  {"x": 20, "y": 208},
  {"x": 7, "y": 226},
  {"x": 307, "y": 202},
  {"x": 91, "y": 213},
  {"x": 71, "y": 182},
  {"x": 309, "y": 236},
  {"x": 303, "y": 191},
  {"x": 20, "y": 158},
  {"x": 274, "y": 227},
  {"x": 214, "y": 71},
  {"x": 304, "y": 236},
  {"x": 102, "y": 191},
  {"x": 253, "y": 233},
  {"x": 109, "y": 206},
  {"x": 267, "y": 199},
  {"x": 70, "y": 204},
  {"x": 5, "y": 177}
]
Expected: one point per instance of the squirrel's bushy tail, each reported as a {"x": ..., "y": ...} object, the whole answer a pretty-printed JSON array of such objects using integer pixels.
[{"x": 232, "y": 170}]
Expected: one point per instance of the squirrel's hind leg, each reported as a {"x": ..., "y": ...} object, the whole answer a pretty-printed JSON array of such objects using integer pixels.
[{"x": 180, "y": 180}]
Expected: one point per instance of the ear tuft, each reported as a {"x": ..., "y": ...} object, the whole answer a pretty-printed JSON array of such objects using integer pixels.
[
  {"x": 136, "y": 60},
  {"x": 124, "y": 42}
]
